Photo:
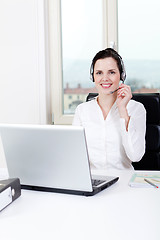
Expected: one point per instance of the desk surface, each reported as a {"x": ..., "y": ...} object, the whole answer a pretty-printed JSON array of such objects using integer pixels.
[{"x": 117, "y": 213}]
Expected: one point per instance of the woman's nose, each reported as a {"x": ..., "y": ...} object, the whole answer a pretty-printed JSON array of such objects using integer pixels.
[{"x": 105, "y": 77}]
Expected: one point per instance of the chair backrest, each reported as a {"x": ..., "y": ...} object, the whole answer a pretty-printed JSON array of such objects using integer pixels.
[
  {"x": 151, "y": 102},
  {"x": 151, "y": 158}
]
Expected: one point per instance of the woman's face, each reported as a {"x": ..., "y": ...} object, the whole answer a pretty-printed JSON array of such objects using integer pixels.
[{"x": 106, "y": 75}]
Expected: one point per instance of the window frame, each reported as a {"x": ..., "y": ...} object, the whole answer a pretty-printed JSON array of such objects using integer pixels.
[{"x": 110, "y": 39}]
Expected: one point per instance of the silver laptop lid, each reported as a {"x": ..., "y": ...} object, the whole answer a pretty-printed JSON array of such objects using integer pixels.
[{"x": 47, "y": 155}]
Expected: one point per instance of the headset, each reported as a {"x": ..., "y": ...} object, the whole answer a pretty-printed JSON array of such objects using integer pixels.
[{"x": 121, "y": 63}]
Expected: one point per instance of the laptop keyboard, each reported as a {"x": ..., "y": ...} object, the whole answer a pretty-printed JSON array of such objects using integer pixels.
[{"x": 96, "y": 182}]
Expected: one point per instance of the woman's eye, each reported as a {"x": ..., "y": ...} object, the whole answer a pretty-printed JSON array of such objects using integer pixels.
[
  {"x": 98, "y": 73},
  {"x": 112, "y": 72}
]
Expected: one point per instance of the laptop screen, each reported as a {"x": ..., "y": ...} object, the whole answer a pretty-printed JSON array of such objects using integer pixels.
[{"x": 52, "y": 156}]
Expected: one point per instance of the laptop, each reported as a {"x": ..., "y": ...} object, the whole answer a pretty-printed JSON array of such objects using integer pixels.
[{"x": 50, "y": 158}]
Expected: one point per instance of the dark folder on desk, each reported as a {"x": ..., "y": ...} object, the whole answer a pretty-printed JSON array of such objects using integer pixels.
[
  {"x": 10, "y": 190},
  {"x": 51, "y": 158}
]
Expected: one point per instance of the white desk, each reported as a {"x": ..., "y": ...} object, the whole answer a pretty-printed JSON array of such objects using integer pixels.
[{"x": 118, "y": 213}]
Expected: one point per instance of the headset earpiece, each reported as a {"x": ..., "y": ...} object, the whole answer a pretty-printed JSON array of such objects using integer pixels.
[
  {"x": 91, "y": 73},
  {"x": 123, "y": 74}
]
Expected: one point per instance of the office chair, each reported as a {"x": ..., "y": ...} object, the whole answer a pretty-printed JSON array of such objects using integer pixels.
[{"x": 151, "y": 102}]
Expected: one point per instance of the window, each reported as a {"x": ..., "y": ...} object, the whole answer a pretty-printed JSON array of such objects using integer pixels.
[
  {"x": 139, "y": 37},
  {"x": 82, "y": 37},
  {"x": 78, "y": 29},
  {"x": 77, "y": 36}
]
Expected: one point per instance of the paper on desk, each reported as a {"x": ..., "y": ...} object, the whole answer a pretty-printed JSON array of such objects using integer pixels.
[{"x": 137, "y": 180}]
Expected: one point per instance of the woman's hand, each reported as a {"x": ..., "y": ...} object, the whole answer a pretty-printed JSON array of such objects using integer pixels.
[{"x": 124, "y": 95}]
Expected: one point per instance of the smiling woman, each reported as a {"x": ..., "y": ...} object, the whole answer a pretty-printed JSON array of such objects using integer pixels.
[{"x": 114, "y": 124}]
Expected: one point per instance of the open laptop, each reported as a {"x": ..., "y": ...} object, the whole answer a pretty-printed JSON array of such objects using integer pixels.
[{"x": 50, "y": 158}]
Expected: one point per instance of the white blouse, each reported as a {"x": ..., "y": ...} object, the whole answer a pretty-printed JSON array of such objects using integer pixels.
[{"x": 109, "y": 144}]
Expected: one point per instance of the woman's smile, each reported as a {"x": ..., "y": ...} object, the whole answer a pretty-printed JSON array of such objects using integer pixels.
[{"x": 106, "y": 85}]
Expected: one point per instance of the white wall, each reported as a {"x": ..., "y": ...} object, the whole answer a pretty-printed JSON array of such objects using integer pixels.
[{"x": 24, "y": 83}]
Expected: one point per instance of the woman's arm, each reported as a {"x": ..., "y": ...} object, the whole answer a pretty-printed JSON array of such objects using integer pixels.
[
  {"x": 133, "y": 139},
  {"x": 76, "y": 119}
]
